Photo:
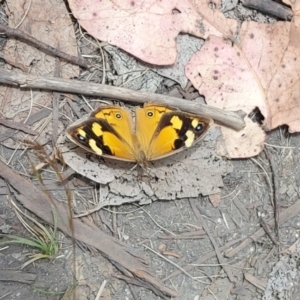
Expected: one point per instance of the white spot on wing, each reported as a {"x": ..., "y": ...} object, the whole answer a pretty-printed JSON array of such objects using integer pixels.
[{"x": 190, "y": 138}]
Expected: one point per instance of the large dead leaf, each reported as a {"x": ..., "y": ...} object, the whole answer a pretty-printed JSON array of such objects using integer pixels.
[
  {"x": 49, "y": 22},
  {"x": 148, "y": 29},
  {"x": 262, "y": 71}
]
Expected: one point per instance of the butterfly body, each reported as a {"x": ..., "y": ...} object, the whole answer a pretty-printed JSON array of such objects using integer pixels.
[{"x": 159, "y": 131}]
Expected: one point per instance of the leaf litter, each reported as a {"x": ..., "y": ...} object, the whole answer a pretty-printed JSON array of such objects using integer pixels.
[
  {"x": 146, "y": 190},
  {"x": 19, "y": 105}
]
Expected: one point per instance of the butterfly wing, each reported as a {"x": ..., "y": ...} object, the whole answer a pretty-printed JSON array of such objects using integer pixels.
[
  {"x": 174, "y": 132},
  {"x": 147, "y": 120},
  {"x": 108, "y": 132},
  {"x": 119, "y": 118}
]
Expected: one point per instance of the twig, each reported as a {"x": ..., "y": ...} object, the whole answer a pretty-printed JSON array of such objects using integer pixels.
[
  {"x": 101, "y": 290},
  {"x": 285, "y": 215},
  {"x": 173, "y": 264},
  {"x": 201, "y": 259},
  {"x": 158, "y": 225},
  {"x": 218, "y": 253},
  {"x": 268, "y": 231},
  {"x": 44, "y": 112},
  {"x": 234, "y": 120},
  {"x": 270, "y": 7},
  {"x": 18, "y": 126},
  {"x": 274, "y": 192},
  {"x": 21, "y": 35},
  {"x": 55, "y": 105}
]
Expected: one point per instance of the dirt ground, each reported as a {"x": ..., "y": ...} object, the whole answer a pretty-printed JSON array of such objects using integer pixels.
[
  {"x": 245, "y": 203},
  {"x": 260, "y": 266}
]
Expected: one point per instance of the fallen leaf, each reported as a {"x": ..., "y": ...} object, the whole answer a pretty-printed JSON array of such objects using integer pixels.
[
  {"x": 222, "y": 75},
  {"x": 260, "y": 71},
  {"x": 148, "y": 29}
]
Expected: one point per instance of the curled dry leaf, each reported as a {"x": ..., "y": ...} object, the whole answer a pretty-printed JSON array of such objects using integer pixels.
[{"x": 244, "y": 143}]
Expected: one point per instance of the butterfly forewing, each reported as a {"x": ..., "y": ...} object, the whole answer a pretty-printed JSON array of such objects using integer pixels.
[
  {"x": 99, "y": 137},
  {"x": 119, "y": 118},
  {"x": 175, "y": 132}
]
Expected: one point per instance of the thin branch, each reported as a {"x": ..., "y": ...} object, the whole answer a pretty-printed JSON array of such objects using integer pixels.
[
  {"x": 24, "y": 37},
  {"x": 231, "y": 119}
]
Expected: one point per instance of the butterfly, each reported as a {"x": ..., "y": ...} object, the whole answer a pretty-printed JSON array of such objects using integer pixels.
[{"x": 159, "y": 131}]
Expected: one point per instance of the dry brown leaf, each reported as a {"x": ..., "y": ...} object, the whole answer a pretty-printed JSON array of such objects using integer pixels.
[
  {"x": 49, "y": 22},
  {"x": 262, "y": 71},
  {"x": 148, "y": 29},
  {"x": 221, "y": 73}
]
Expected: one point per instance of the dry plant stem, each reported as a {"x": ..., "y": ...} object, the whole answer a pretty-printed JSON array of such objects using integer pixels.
[
  {"x": 227, "y": 118},
  {"x": 199, "y": 234},
  {"x": 169, "y": 261},
  {"x": 270, "y": 7},
  {"x": 200, "y": 260},
  {"x": 37, "y": 202},
  {"x": 18, "y": 126},
  {"x": 105, "y": 221},
  {"x": 285, "y": 215},
  {"x": 24, "y": 37},
  {"x": 44, "y": 112},
  {"x": 114, "y": 222},
  {"x": 129, "y": 280},
  {"x": 101, "y": 289},
  {"x": 268, "y": 231},
  {"x": 19, "y": 276},
  {"x": 133, "y": 293},
  {"x": 55, "y": 107},
  {"x": 274, "y": 191},
  {"x": 206, "y": 229},
  {"x": 257, "y": 282},
  {"x": 270, "y": 254}
]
